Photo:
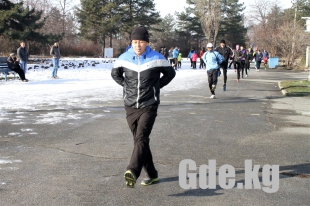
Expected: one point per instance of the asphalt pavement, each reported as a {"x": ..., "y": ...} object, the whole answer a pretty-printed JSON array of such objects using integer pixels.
[{"x": 81, "y": 161}]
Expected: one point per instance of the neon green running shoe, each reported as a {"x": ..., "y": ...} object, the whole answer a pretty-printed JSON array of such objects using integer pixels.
[
  {"x": 130, "y": 178},
  {"x": 149, "y": 181}
]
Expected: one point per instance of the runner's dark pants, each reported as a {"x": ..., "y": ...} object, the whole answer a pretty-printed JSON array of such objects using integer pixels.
[
  {"x": 243, "y": 67},
  {"x": 141, "y": 122},
  {"x": 232, "y": 62},
  {"x": 212, "y": 78},
  {"x": 258, "y": 63},
  {"x": 194, "y": 64},
  {"x": 238, "y": 67},
  {"x": 247, "y": 65},
  {"x": 202, "y": 64},
  {"x": 179, "y": 64},
  {"x": 224, "y": 68}
]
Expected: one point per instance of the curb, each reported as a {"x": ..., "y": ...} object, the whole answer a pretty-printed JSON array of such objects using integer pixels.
[{"x": 284, "y": 92}]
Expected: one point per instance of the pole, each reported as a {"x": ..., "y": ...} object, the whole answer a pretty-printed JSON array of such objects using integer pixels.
[
  {"x": 308, "y": 60},
  {"x": 308, "y": 47}
]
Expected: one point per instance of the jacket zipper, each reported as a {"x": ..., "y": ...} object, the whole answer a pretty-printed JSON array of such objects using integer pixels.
[{"x": 138, "y": 95}]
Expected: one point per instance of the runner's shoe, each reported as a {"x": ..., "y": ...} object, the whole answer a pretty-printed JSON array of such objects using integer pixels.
[
  {"x": 212, "y": 96},
  {"x": 224, "y": 87},
  {"x": 130, "y": 178},
  {"x": 149, "y": 181}
]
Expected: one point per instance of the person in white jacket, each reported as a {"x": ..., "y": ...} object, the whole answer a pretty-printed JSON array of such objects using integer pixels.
[{"x": 212, "y": 59}]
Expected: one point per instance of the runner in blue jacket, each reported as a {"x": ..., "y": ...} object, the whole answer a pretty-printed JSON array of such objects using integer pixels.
[{"x": 212, "y": 59}]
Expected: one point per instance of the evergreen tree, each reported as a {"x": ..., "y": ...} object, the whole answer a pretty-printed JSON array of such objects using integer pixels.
[
  {"x": 107, "y": 18},
  {"x": 19, "y": 23},
  {"x": 189, "y": 30},
  {"x": 138, "y": 12},
  {"x": 164, "y": 32},
  {"x": 232, "y": 25},
  {"x": 303, "y": 7},
  {"x": 99, "y": 19}
]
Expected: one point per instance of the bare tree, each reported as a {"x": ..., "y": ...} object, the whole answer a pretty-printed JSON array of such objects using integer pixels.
[
  {"x": 209, "y": 12},
  {"x": 280, "y": 36},
  {"x": 65, "y": 7},
  {"x": 283, "y": 38},
  {"x": 259, "y": 10}
]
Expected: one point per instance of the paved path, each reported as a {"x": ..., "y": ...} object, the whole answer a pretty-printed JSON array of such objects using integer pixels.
[{"x": 81, "y": 161}]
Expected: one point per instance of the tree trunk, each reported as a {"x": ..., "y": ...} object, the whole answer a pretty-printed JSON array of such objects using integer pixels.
[{"x": 111, "y": 36}]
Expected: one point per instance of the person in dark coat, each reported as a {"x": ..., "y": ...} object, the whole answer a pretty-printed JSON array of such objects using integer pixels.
[
  {"x": 139, "y": 72},
  {"x": 226, "y": 52},
  {"x": 258, "y": 59},
  {"x": 237, "y": 60},
  {"x": 242, "y": 61},
  {"x": 166, "y": 53},
  {"x": 248, "y": 59},
  {"x": 22, "y": 55},
  {"x": 13, "y": 64}
]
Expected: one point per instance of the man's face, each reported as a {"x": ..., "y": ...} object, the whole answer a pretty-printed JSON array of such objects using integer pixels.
[
  {"x": 209, "y": 48},
  {"x": 22, "y": 44},
  {"x": 139, "y": 46},
  {"x": 56, "y": 44},
  {"x": 222, "y": 45}
]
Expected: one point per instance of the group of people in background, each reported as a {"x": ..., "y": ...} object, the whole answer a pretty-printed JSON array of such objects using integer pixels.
[
  {"x": 18, "y": 62},
  {"x": 173, "y": 55},
  {"x": 242, "y": 59},
  {"x": 221, "y": 58}
]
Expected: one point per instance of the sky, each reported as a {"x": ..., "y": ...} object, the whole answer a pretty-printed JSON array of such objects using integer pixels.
[{"x": 171, "y": 6}]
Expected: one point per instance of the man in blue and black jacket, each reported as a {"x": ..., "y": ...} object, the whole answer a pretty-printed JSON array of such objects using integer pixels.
[{"x": 139, "y": 72}]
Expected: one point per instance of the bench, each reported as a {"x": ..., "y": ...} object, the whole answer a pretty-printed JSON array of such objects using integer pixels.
[{"x": 4, "y": 69}]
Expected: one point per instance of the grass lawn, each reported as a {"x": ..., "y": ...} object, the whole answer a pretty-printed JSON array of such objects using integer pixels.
[{"x": 296, "y": 87}]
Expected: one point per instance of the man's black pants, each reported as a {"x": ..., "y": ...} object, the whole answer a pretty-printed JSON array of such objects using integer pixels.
[
  {"x": 243, "y": 67},
  {"x": 212, "y": 78},
  {"x": 141, "y": 122},
  {"x": 224, "y": 68},
  {"x": 238, "y": 67},
  {"x": 202, "y": 64}
]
